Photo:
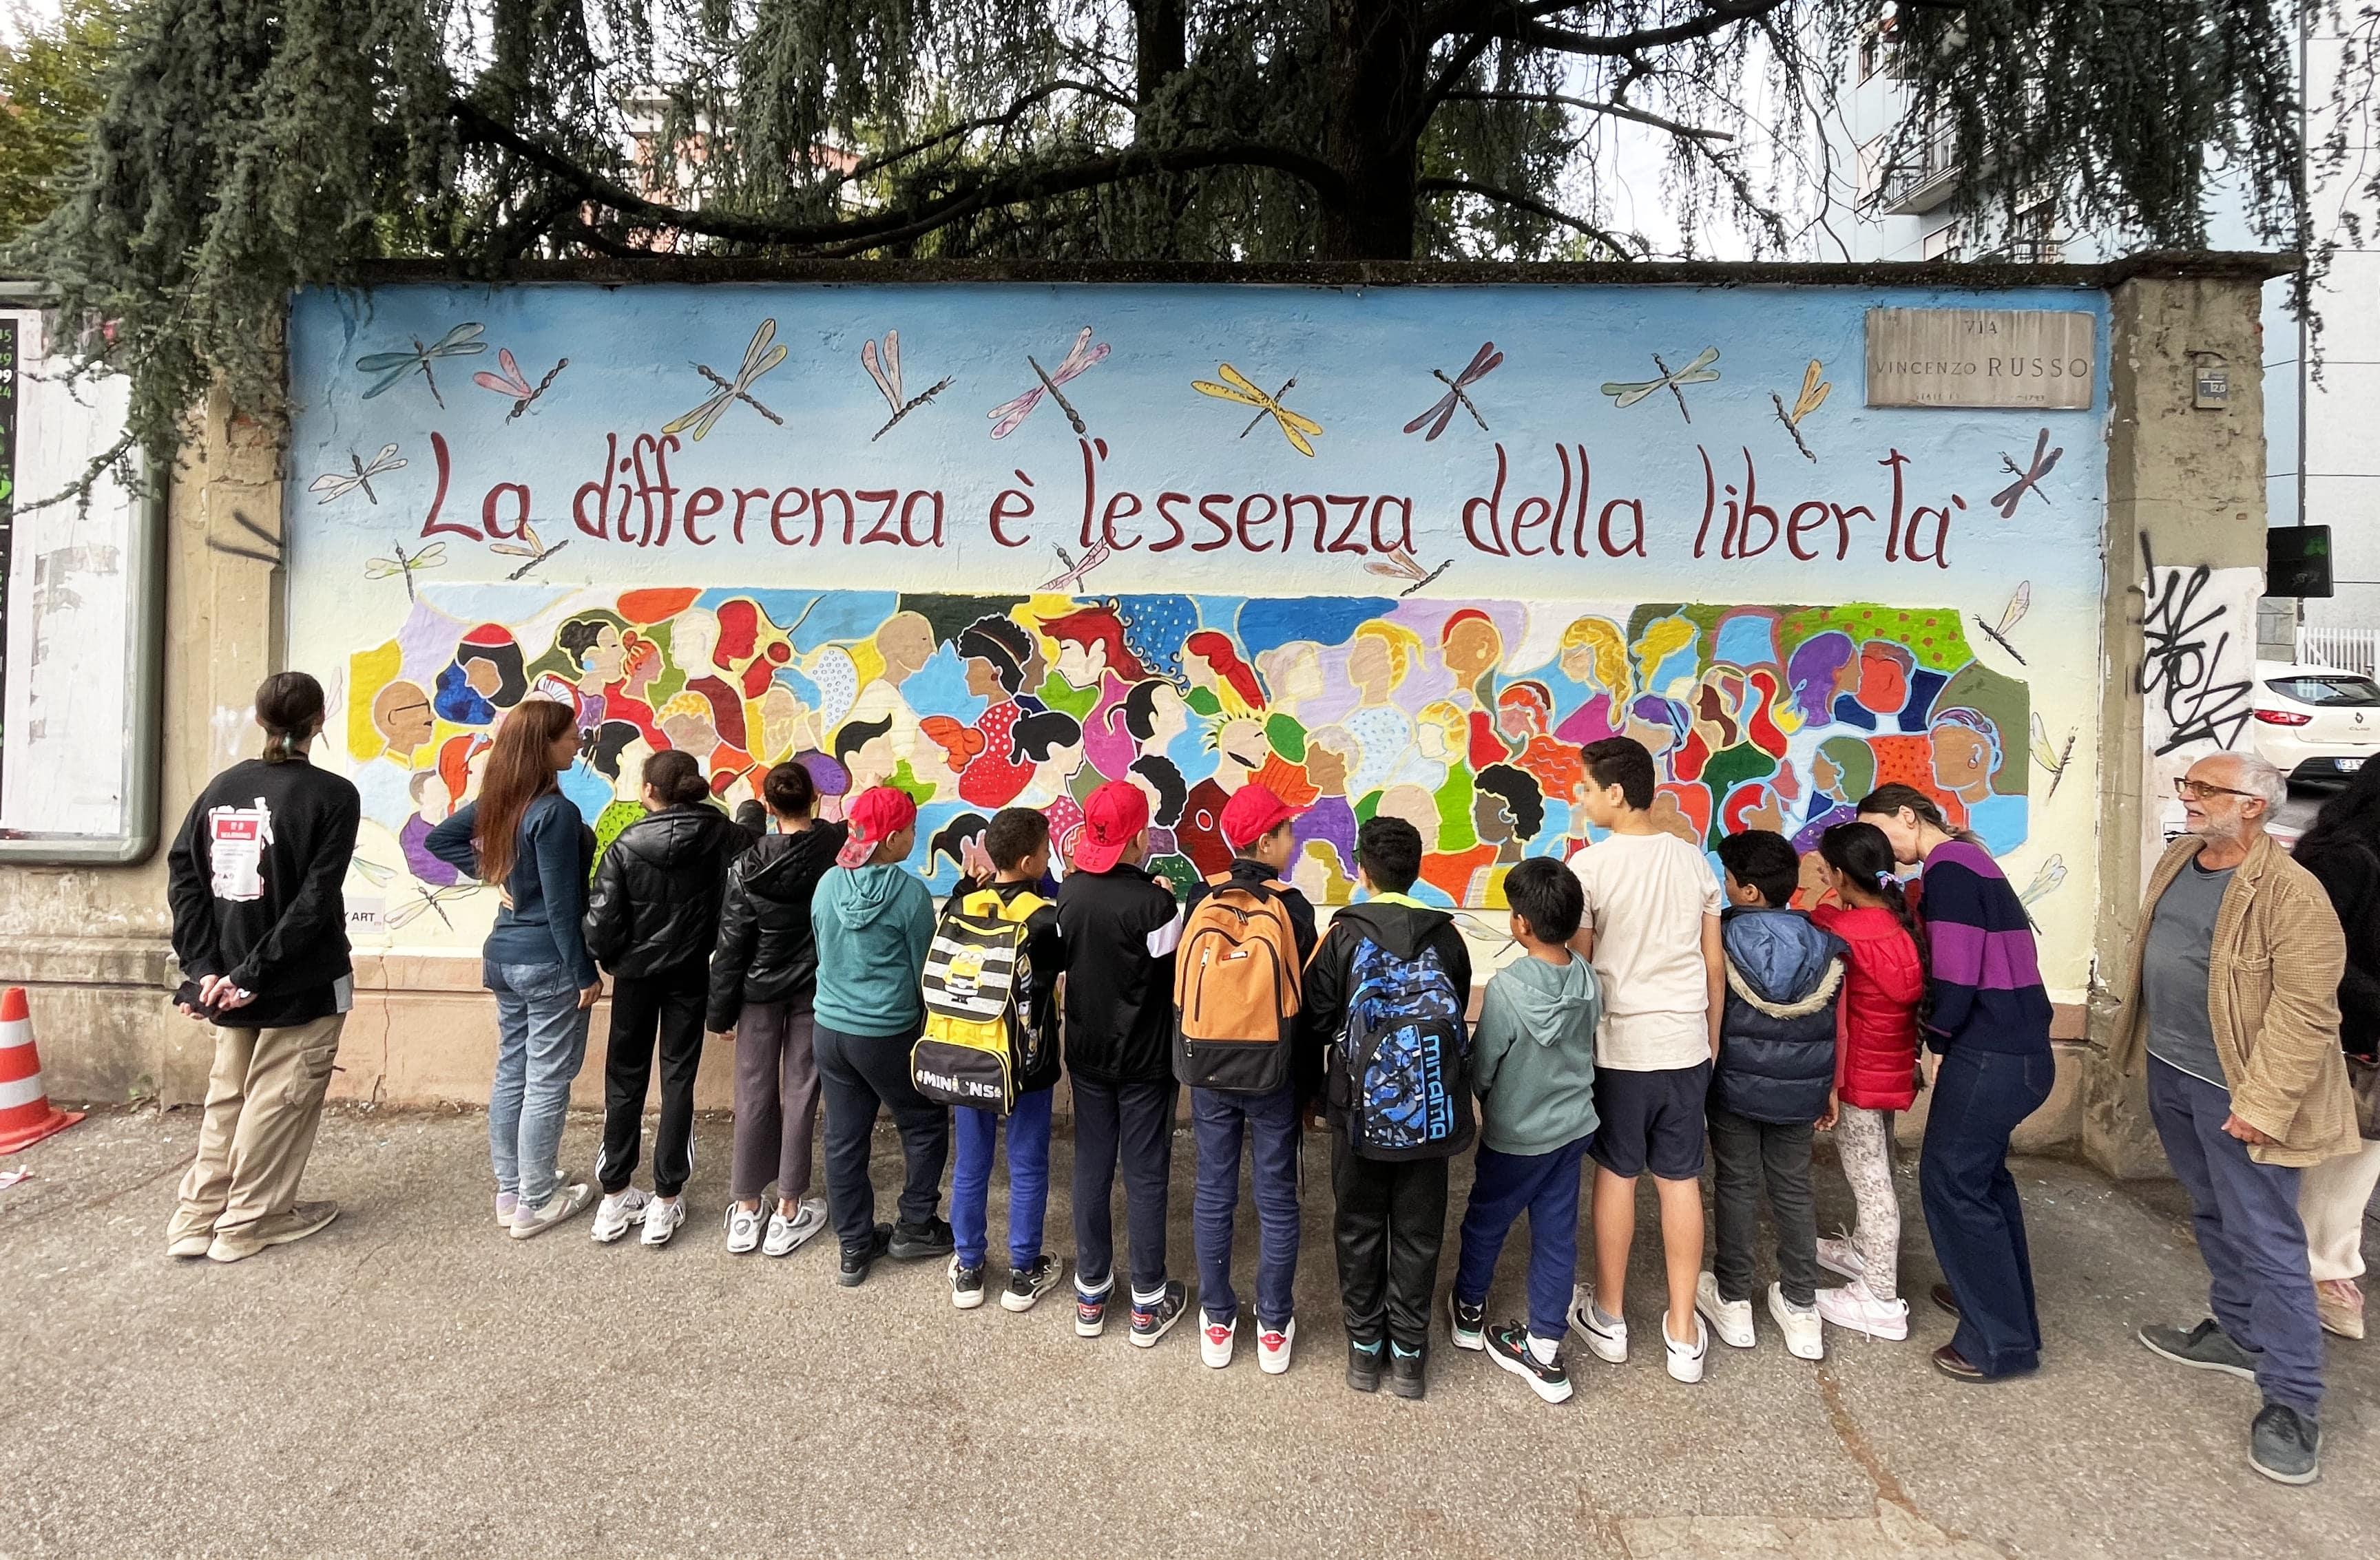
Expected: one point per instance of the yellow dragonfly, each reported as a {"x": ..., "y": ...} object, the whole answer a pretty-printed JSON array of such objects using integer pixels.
[{"x": 1298, "y": 428}]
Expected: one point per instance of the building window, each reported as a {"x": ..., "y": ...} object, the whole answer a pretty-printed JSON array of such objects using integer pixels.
[
  {"x": 1942, "y": 244},
  {"x": 1872, "y": 157},
  {"x": 2033, "y": 237},
  {"x": 1878, "y": 50}
]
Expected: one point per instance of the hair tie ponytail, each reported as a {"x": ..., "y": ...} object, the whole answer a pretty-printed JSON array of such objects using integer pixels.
[{"x": 1885, "y": 879}]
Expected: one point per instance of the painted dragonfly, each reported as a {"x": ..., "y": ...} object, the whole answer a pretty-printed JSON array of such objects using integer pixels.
[
  {"x": 1398, "y": 563},
  {"x": 2046, "y": 879},
  {"x": 528, "y": 547},
  {"x": 430, "y": 899},
  {"x": 1483, "y": 362},
  {"x": 2019, "y": 602},
  {"x": 1076, "y": 573},
  {"x": 1298, "y": 428},
  {"x": 2054, "y": 759},
  {"x": 886, "y": 372},
  {"x": 1814, "y": 389},
  {"x": 405, "y": 564},
  {"x": 339, "y": 484},
  {"x": 2028, "y": 478},
  {"x": 1010, "y": 415},
  {"x": 759, "y": 358},
  {"x": 1625, "y": 393},
  {"x": 513, "y": 382},
  {"x": 463, "y": 341}
]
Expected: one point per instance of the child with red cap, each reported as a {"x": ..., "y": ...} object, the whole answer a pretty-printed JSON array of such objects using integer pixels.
[
  {"x": 1121, "y": 926},
  {"x": 872, "y": 921},
  {"x": 1257, "y": 824}
]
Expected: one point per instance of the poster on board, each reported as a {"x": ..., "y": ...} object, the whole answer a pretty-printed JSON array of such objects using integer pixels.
[{"x": 1389, "y": 550}]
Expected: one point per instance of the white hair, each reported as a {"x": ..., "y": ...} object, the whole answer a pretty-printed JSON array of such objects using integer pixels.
[{"x": 2258, "y": 777}]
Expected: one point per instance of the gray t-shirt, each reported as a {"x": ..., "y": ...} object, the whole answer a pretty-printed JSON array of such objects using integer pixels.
[{"x": 2173, "y": 973}]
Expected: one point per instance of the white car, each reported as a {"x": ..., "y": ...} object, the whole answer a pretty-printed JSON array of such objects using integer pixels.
[{"x": 2315, "y": 724}]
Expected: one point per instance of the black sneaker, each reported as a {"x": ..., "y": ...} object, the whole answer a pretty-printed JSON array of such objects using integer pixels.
[
  {"x": 1027, "y": 1284},
  {"x": 1509, "y": 1347},
  {"x": 2204, "y": 1348},
  {"x": 966, "y": 1284},
  {"x": 1090, "y": 1315},
  {"x": 916, "y": 1242},
  {"x": 1363, "y": 1366},
  {"x": 1150, "y": 1322},
  {"x": 1468, "y": 1321},
  {"x": 857, "y": 1259},
  {"x": 1405, "y": 1375},
  {"x": 2285, "y": 1445}
]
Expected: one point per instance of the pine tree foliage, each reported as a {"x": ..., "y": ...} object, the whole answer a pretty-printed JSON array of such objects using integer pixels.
[
  {"x": 49, "y": 93},
  {"x": 248, "y": 147}
]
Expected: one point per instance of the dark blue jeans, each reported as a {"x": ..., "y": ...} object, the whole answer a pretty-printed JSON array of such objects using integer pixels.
[
  {"x": 1269, "y": 1124},
  {"x": 977, "y": 1133},
  {"x": 1131, "y": 1124},
  {"x": 1972, "y": 1209},
  {"x": 2246, "y": 1217},
  {"x": 1545, "y": 1186}
]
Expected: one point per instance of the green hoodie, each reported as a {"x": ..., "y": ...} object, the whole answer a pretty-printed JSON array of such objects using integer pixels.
[
  {"x": 1533, "y": 1056},
  {"x": 872, "y": 925}
]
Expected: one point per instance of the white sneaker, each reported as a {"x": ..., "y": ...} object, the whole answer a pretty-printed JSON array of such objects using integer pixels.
[
  {"x": 1215, "y": 1340},
  {"x": 743, "y": 1229},
  {"x": 617, "y": 1212},
  {"x": 662, "y": 1215},
  {"x": 785, "y": 1235},
  {"x": 568, "y": 1202},
  {"x": 1854, "y": 1308},
  {"x": 1685, "y": 1359},
  {"x": 1609, "y": 1343},
  {"x": 1805, "y": 1337},
  {"x": 1731, "y": 1320},
  {"x": 1837, "y": 1254},
  {"x": 1272, "y": 1348}
]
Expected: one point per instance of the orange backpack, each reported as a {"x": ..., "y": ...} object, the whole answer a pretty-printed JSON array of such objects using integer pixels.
[{"x": 1235, "y": 989}]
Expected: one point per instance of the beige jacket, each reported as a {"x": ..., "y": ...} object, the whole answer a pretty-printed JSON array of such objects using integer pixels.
[{"x": 2272, "y": 992}]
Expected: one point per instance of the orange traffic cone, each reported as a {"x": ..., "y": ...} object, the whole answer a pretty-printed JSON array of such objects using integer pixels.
[{"x": 26, "y": 1115}]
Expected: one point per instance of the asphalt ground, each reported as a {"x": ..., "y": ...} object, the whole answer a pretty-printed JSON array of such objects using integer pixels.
[{"x": 411, "y": 1382}]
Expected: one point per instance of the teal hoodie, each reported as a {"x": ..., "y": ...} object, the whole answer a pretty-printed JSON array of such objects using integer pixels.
[
  {"x": 1533, "y": 1056},
  {"x": 872, "y": 925}
]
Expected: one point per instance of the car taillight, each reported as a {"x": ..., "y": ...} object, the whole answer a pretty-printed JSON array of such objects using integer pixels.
[{"x": 2283, "y": 717}]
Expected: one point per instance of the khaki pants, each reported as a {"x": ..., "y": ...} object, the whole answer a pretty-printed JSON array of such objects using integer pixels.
[
  {"x": 2331, "y": 1200},
  {"x": 264, "y": 1101}
]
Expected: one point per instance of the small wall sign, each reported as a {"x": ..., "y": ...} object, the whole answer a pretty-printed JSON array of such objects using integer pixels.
[{"x": 1981, "y": 358}]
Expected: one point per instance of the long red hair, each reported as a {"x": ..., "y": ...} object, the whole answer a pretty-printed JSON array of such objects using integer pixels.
[{"x": 519, "y": 772}]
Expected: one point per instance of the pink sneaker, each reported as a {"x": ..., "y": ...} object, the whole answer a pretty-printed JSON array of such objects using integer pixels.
[{"x": 1855, "y": 1310}]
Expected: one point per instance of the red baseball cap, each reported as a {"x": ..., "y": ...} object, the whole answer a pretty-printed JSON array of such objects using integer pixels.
[
  {"x": 875, "y": 815},
  {"x": 1251, "y": 813},
  {"x": 1112, "y": 815}
]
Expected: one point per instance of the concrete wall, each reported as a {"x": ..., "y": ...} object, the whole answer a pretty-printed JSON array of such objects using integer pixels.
[{"x": 93, "y": 946}]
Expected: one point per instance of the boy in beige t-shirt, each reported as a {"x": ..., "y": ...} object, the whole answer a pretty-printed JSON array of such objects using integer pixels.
[{"x": 1652, "y": 932}]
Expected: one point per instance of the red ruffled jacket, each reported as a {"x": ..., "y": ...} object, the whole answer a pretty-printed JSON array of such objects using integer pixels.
[{"x": 1876, "y": 1045}]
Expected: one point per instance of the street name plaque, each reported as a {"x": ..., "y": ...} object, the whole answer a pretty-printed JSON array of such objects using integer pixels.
[{"x": 1980, "y": 357}]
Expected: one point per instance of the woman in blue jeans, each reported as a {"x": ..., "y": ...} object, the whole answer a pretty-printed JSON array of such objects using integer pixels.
[
  {"x": 1987, "y": 1017},
  {"x": 524, "y": 835}
]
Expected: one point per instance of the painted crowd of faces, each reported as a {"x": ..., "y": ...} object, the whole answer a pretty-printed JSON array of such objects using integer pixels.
[{"x": 1464, "y": 719}]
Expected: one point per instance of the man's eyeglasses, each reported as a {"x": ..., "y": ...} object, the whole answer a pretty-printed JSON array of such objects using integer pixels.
[{"x": 2199, "y": 791}]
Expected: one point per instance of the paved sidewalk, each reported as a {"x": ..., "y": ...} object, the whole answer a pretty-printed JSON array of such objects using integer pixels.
[{"x": 411, "y": 1382}]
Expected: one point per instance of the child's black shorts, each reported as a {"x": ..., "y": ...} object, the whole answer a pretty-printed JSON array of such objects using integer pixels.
[{"x": 1652, "y": 1121}]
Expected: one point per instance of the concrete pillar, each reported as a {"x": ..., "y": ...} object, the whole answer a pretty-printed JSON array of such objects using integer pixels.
[{"x": 2191, "y": 479}]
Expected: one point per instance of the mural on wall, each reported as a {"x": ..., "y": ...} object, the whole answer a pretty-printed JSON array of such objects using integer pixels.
[
  {"x": 1761, "y": 716},
  {"x": 1399, "y": 550}
]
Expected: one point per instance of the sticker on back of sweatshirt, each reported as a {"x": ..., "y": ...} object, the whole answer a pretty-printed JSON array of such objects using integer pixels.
[{"x": 236, "y": 841}]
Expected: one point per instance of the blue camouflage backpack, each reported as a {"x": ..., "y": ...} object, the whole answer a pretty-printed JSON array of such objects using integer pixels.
[{"x": 1402, "y": 1057}]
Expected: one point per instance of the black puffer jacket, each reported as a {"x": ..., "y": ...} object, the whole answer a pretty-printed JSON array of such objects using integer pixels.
[
  {"x": 765, "y": 952},
  {"x": 655, "y": 904},
  {"x": 1777, "y": 1033}
]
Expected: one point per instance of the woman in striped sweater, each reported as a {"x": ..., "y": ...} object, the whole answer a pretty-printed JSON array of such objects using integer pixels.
[{"x": 1989, "y": 1021}]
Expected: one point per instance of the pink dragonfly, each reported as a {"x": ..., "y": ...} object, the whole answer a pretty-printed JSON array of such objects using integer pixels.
[
  {"x": 1076, "y": 573},
  {"x": 513, "y": 382},
  {"x": 1010, "y": 415}
]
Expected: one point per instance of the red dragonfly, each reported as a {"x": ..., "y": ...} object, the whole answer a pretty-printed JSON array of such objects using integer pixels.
[
  {"x": 1483, "y": 362},
  {"x": 513, "y": 382},
  {"x": 1010, "y": 415}
]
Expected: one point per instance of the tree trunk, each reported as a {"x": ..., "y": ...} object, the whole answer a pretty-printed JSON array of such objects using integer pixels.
[
  {"x": 1376, "y": 73},
  {"x": 1161, "y": 48}
]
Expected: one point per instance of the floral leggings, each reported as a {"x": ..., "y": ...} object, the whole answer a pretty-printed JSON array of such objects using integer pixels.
[{"x": 1863, "y": 1142}]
